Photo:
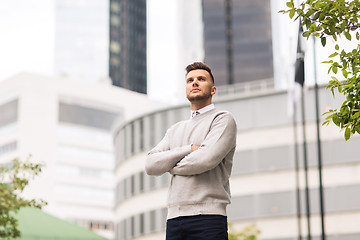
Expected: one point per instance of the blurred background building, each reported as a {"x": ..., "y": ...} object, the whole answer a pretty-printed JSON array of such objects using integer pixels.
[
  {"x": 238, "y": 40},
  {"x": 127, "y": 62},
  {"x": 263, "y": 181},
  {"x": 67, "y": 124}
]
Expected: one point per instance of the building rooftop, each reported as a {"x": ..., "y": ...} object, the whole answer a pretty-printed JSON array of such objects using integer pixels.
[{"x": 36, "y": 224}]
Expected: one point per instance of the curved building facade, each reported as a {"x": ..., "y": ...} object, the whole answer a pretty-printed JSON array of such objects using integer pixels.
[{"x": 263, "y": 181}]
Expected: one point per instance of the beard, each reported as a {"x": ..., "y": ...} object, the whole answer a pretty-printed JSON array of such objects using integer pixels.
[{"x": 199, "y": 97}]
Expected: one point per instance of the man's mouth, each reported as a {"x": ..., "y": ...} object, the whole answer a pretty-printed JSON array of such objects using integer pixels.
[{"x": 195, "y": 90}]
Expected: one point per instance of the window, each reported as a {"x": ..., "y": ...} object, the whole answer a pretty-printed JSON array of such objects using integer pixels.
[
  {"x": 152, "y": 220},
  {"x": 132, "y": 182},
  {"x": 81, "y": 154},
  {"x": 165, "y": 121},
  {"x": 114, "y": 20},
  {"x": 132, "y": 226},
  {"x": 141, "y": 134},
  {"x": 125, "y": 189},
  {"x": 141, "y": 180},
  {"x": 115, "y": 7},
  {"x": 142, "y": 224},
  {"x": 9, "y": 147},
  {"x": 76, "y": 114},
  {"x": 9, "y": 113},
  {"x": 114, "y": 61},
  {"x": 152, "y": 130},
  {"x": 132, "y": 138},
  {"x": 114, "y": 47},
  {"x": 73, "y": 132},
  {"x": 152, "y": 182}
]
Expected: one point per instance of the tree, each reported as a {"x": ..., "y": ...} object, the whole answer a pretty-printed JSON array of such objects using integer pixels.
[
  {"x": 14, "y": 178},
  {"x": 334, "y": 19},
  {"x": 248, "y": 233}
]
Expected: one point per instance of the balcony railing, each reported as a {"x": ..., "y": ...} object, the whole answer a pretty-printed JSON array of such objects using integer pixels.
[{"x": 245, "y": 88}]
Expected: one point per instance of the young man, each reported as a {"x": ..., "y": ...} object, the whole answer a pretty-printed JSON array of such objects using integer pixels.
[{"x": 198, "y": 154}]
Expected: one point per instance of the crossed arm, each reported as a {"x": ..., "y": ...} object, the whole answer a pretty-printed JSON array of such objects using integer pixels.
[{"x": 193, "y": 159}]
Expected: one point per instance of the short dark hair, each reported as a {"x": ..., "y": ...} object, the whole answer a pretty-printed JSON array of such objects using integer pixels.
[{"x": 200, "y": 65}]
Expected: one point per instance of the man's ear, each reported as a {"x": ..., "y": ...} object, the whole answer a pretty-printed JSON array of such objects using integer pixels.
[{"x": 213, "y": 90}]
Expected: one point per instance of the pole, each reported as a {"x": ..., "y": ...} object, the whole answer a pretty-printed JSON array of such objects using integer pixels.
[
  {"x": 305, "y": 166},
  {"x": 229, "y": 45},
  {"x": 323, "y": 237},
  {"x": 296, "y": 148}
]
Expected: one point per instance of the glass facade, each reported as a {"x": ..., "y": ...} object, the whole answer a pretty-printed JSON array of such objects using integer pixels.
[
  {"x": 238, "y": 40},
  {"x": 91, "y": 117},
  {"x": 127, "y": 61}
]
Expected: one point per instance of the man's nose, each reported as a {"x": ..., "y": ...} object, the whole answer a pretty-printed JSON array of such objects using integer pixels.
[{"x": 195, "y": 82}]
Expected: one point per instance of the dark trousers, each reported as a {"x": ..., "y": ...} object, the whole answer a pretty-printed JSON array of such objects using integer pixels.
[{"x": 206, "y": 227}]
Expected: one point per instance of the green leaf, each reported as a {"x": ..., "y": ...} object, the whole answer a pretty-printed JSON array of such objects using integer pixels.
[
  {"x": 290, "y": 4},
  {"x": 347, "y": 133},
  {"x": 333, "y": 55},
  {"x": 331, "y": 61},
  {"x": 316, "y": 16},
  {"x": 335, "y": 119},
  {"x": 345, "y": 73},
  {"x": 334, "y": 69},
  {"x": 292, "y": 13},
  {"x": 323, "y": 41},
  {"x": 357, "y": 129},
  {"x": 347, "y": 35},
  {"x": 337, "y": 47},
  {"x": 357, "y": 36},
  {"x": 328, "y": 117},
  {"x": 356, "y": 116},
  {"x": 330, "y": 68},
  {"x": 325, "y": 123}
]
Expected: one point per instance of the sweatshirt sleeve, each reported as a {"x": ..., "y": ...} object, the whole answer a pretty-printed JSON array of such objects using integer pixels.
[
  {"x": 220, "y": 140},
  {"x": 161, "y": 159}
]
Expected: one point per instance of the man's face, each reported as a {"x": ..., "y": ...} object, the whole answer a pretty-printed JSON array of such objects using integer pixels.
[{"x": 199, "y": 85}]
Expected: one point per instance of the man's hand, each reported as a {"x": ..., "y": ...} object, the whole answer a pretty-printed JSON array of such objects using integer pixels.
[{"x": 194, "y": 147}]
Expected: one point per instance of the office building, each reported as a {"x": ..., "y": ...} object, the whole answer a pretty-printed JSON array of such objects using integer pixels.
[
  {"x": 67, "y": 125},
  {"x": 238, "y": 40},
  {"x": 263, "y": 181},
  {"x": 127, "y": 50}
]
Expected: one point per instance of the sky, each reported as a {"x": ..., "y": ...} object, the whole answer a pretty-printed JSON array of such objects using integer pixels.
[
  {"x": 27, "y": 38},
  {"x": 27, "y": 41},
  {"x": 162, "y": 51}
]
